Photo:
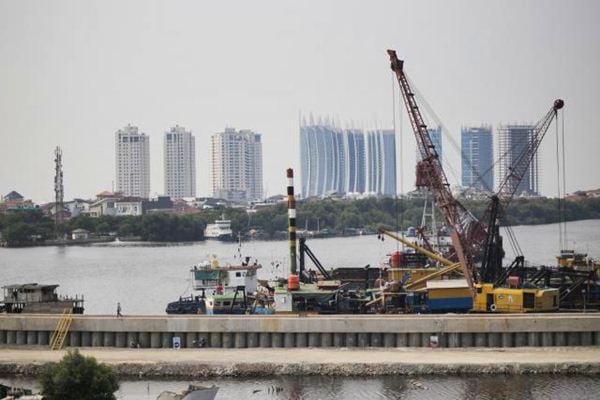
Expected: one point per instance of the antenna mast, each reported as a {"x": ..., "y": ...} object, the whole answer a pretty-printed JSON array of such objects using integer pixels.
[{"x": 58, "y": 189}]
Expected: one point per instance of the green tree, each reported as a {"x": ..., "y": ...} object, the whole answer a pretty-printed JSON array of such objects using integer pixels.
[
  {"x": 17, "y": 233},
  {"x": 78, "y": 377}
]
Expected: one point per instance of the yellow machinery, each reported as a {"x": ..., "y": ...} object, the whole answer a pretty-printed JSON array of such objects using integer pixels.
[
  {"x": 487, "y": 297},
  {"x": 414, "y": 274},
  {"x": 505, "y": 300},
  {"x": 420, "y": 276}
]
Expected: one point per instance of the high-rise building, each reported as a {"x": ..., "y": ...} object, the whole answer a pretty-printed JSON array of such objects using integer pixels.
[
  {"x": 323, "y": 159},
  {"x": 477, "y": 167},
  {"x": 381, "y": 155},
  {"x": 356, "y": 170},
  {"x": 180, "y": 163},
  {"x": 513, "y": 141},
  {"x": 342, "y": 161},
  {"x": 132, "y": 151},
  {"x": 237, "y": 165},
  {"x": 436, "y": 137}
]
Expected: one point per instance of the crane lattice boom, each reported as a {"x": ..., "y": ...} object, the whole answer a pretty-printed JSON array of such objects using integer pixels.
[
  {"x": 518, "y": 169},
  {"x": 457, "y": 217}
]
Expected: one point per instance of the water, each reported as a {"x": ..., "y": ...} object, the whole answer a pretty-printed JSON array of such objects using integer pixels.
[
  {"x": 387, "y": 387},
  {"x": 144, "y": 277}
]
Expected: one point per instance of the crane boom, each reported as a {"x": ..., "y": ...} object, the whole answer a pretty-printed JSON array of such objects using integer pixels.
[
  {"x": 457, "y": 217},
  {"x": 491, "y": 262},
  {"x": 519, "y": 166}
]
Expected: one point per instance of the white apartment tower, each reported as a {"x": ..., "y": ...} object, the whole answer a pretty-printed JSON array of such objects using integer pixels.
[
  {"x": 237, "y": 165},
  {"x": 132, "y": 151},
  {"x": 180, "y": 163}
]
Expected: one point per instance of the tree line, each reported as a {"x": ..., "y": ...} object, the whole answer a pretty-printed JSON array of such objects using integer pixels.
[{"x": 336, "y": 216}]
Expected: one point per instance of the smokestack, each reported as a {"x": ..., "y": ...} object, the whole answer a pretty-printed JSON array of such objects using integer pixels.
[{"x": 292, "y": 219}]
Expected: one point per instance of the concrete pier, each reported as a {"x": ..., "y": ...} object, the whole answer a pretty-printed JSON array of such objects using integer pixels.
[
  {"x": 507, "y": 339},
  {"x": 290, "y": 331},
  {"x": 97, "y": 339},
  {"x": 252, "y": 339},
  {"x": 74, "y": 338}
]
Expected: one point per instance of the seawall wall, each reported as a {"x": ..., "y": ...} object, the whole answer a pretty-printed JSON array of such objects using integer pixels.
[{"x": 473, "y": 330}]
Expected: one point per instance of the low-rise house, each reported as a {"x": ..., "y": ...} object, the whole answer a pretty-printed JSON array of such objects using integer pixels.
[
  {"x": 158, "y": 204},
  {"x": 129, "y": 206},
  {"x": 14, "y": 201},
  {"x": 583, "y": 194},
  {"x": 102, "y": 207},
  {"x": 210, "y": 202},
  {"x": 182, "y": 207},
  {"x": 13, "y": 196},
  {"x": 50, "y": 209},
  {"x": 77, "y": 207},
  {"x": 104, "y": 204}
]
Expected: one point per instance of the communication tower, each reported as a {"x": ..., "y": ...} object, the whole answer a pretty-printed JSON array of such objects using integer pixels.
[{"x": 58, "y": 188}]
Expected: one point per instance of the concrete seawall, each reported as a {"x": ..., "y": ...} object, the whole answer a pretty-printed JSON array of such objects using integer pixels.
[{"x": 473, "y": 330}]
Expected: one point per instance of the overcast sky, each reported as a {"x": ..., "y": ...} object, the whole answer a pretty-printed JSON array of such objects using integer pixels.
[{"x": 74, "y": 72}]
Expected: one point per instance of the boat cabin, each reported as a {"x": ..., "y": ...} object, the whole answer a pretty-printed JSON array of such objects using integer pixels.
[
  {"x": 37, "y": 298},
  {"x": 214, "y": 278}
]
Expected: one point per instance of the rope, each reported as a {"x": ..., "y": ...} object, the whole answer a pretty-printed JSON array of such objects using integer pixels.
[
  {"x": 560, "y": 230},
  {"x": 394, "y": 127},
  {"x": 564, "y": 172},
  {"x": 437, "y": 121},
  {"x": 514, "y": 243}
]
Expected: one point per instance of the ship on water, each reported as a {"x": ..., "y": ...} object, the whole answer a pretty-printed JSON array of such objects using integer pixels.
[
  {"x": 220, "y": 230},
  {"x": 34, "y": 298},
  {"x": 221, "y": 289}
]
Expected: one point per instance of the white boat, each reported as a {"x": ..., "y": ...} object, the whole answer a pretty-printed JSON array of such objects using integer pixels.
[
  {"x": 219, "y": 287},
  {"x": 213, "y": 278},
  {"x": 220, "y": 230},
  {"x": 193, "y": 392}
]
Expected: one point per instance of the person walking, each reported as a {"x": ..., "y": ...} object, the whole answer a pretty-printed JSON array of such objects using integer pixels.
[{"x": 119, "y": 315}]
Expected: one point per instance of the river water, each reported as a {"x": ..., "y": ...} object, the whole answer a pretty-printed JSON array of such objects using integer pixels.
[
  {"x": 387, "y": 387},
  {"x": 144, "y": 277}
]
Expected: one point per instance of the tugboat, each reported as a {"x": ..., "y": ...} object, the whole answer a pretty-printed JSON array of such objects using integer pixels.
[{"x": 227, "y": 289}]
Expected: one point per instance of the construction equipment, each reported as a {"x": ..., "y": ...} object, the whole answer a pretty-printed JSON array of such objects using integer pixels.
[
  {"x": 468, "y": 233},
  {"x": 304, "y": 275},
  {"x": 493, "y": 253},
  {"x": 499, "y": 299},
  {"x": 62, "y": 329},
  {"x": 459, "y": 220}
]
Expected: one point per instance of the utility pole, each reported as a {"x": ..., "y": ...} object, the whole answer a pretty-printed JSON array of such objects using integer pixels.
[{"x": 58, "y": 189}]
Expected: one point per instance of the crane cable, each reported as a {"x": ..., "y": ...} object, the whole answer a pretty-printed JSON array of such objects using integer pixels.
[
  {"x": 562, "y": 120},
  {"x": 397, "y": 207},
  {"x": 437, "y": 121},
  {"x": 558, "y": 189},
  {"x": 561, "y": 184}
]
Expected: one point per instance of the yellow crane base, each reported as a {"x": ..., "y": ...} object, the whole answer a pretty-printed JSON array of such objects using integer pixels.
[{"x": 507, "y": 300}]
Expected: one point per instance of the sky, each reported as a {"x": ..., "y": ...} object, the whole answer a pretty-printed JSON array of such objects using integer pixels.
[{"x": 74, "y": 72}]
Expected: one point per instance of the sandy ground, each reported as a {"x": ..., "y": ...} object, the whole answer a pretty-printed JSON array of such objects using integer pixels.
[{"x": 224, "y": 357}]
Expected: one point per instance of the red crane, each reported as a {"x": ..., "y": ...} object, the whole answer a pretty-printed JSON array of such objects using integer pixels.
[
  {"x": 469, "y": 235},
  {"x": 460, "y": 221}
]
